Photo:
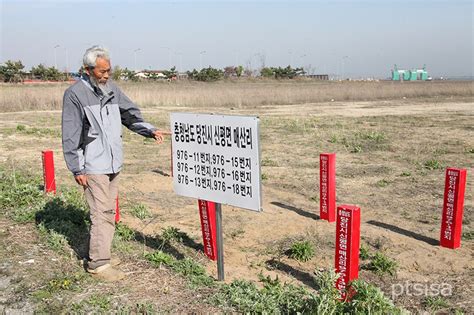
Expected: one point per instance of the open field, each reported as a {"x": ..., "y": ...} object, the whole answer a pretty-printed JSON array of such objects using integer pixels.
[
  {"x": 242, "y": 93},
  {"x": 393, "y": 143}
]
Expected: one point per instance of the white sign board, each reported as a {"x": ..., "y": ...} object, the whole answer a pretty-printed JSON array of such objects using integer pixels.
[{"x": 217, "y": 158}]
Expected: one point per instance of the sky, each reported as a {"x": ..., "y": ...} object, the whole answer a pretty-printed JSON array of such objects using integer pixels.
[{"x": 354, "y": 39}]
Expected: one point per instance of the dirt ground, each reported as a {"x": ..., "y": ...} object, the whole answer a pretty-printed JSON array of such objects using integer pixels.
[{"x": 391, "y": 159}]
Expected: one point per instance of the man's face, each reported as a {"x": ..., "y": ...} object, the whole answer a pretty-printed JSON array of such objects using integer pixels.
[{"x": 101, "y": 71}]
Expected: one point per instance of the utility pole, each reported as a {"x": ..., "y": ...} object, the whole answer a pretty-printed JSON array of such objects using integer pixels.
[
  {"x": 55, "y": 57},
  {"x": 135, "y": 57}
]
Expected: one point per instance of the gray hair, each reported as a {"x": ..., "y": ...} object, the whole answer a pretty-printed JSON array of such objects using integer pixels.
[{"x": 91, "y": 55}]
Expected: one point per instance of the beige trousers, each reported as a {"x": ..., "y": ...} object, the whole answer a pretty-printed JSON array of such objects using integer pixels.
[{"x": 101, "y": 192}]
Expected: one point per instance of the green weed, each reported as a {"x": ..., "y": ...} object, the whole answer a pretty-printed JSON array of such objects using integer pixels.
[
  {"x": 381, "y": 264},
  {"x": 187, "y": 267},
  {"x": 41, "y": 294},
  {"x": 361, "y": 141},
  {"x": 39, "y": 132},
  {"x": 20, "y": 195},
  {"x": 236, "y": 233},
  {"x": 283, "y": 298},
  {"x": 356, "y": 149},
  {"x": 382, "y": 183},
  {"x": 148, "y": 141},
  {"x": 432, "y": 165},
  {"x": 274, "y": 298},
  {"x": 369, "y": 299},
  {"x": 99, "y": 302},
  {"x": 333, "y": 139},
  {"x": 66, "y": 220},
  {"x": 268, "y": 162},
  {"x": 364, "y": 252},
  {"x": 327, "y": 301},
  {"x": 193, "y": 271},
  {"x": 302, "y": 251},
  {"x": 435, "y": 303},
  {"x": 139, "y": 308},
  {"x": 123, "y": 232},
  {"x": 374, "y": 136},
  {"x": 159, "y": 258},
  {"x": 140, "y": 211},
  {"x": 55, "y": 241},
  {"x": 145, "y": 308},
  {"x": 298, "y": 125},
  {"x": 172, "y": 234},
  {"x": 468, "y": 236},
  {"x": 65, "y": 282}
]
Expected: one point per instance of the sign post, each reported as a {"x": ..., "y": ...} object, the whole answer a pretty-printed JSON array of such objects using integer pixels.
[
  {"x": 217, "y": 158},
  {"x": 220, "y": 243},
  {"x": 453, "y": 207},
  {"x": 48, "y": 172},
  {"x": 327, "y": 186},
  {"x": 347, "y": 246}
]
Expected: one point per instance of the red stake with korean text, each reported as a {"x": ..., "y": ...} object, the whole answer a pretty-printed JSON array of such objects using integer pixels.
[
  {"x": 453, "y": 207},
  {"x": 117, "y": 210},
  {"x": 347, "y": 246},
  {"x": 207, "y": 212},
  {"x": 327, "y": 186},
  {"x": 48, "y": 171}
]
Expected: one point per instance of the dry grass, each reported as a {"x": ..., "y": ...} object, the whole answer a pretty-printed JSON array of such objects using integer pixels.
[{"x": 240, "y": 94}]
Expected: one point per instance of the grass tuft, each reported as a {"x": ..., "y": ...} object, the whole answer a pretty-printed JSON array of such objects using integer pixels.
[
  {"x": 382, "y": 264},
  {"x": 302, "y": 251},
  {"x": 140, "y": 211}
]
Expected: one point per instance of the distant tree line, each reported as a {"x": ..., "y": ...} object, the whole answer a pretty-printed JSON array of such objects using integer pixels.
[{"x": 13, "y": 72}]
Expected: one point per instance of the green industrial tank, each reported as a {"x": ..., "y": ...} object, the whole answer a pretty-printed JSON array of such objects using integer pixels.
[{"x": 406, "y": 75}]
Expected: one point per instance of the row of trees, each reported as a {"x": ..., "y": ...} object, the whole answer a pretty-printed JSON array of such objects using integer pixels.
[{"x": 13, "y": 71}]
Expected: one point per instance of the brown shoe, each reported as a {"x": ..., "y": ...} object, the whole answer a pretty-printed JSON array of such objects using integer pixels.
[{"x": 107, "y": 273}]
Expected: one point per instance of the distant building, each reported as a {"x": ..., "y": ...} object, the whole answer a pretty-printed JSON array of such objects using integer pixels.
[
  {"x": 323, "y": 77},
  {"x": 410, "y": 75}
]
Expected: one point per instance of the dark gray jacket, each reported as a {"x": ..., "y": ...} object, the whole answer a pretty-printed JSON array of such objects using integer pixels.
[{"x": 92, "y": 127}]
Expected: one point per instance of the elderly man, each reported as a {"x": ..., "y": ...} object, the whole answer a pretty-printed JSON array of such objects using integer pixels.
[{"x": 94, "y": 109}]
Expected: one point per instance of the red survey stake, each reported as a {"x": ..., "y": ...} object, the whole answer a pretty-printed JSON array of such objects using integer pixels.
[
  {"x": 207, "y": 212},
  {"x": 48, "y": 172},
  {"x": 327, "y": 186},
  {"x": 347, "y": 246},
  {"x": 453, "y": 207}
]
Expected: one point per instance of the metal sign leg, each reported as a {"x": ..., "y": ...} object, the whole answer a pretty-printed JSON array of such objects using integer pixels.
[{"x": 220, "y": 243}]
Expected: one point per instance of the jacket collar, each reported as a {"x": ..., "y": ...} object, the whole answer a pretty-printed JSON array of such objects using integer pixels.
[{"x": 104, "y": 97}]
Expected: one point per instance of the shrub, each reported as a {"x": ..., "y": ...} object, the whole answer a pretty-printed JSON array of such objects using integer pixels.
[
  {"x": 123, "y": 232},
  {"x": 140, "y": 211},
  {"x": 302, "y": 251},
  {"x": 368, "y": 299},
  {"x": 382, "y": 264},
  {"x": 171, "y": 234},
  {"x": 187, "y": 267}
]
